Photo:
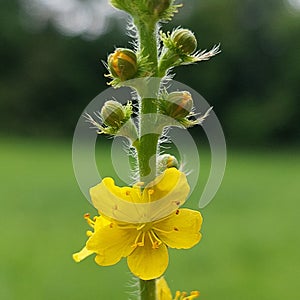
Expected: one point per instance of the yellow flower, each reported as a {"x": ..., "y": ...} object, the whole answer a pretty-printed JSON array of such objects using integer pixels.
[
  {"x": 163, "y": 292},
  {"x": 141, "y": 225}
]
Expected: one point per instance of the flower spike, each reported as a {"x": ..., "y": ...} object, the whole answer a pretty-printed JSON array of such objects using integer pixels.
[{"x": 141, "y": 222}]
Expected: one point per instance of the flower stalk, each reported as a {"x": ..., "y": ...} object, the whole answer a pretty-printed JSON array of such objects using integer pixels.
[
  {"x": 148, "y": 289},
  {"x": 133, "y": 223},
  {"x": 147, "y": 147}
]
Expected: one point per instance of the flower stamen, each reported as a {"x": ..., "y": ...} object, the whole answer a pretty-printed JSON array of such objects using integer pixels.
[
  {"x": 155, "y": 241},
  {"x": 183, "y": 295},
  {"x": 89, "y": 220},
  {"x": 141, "y": 226},
  {"x": 142, "y": 242},
  {"x": 150, "y": 192},
  {"x": 89, "y": 233}
]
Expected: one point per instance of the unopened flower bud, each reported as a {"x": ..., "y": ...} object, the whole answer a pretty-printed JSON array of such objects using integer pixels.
[
  {"x": 184, "y": 40},
  {"x": 123, "y": 64},
  {"x": 159, "y": 6},
  {"x": 178, "y": 105},
  {"x": 166, "y": 161},
  {"x": 112, "y": 113}
]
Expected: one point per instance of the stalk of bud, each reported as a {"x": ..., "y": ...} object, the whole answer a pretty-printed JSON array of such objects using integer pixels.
[
  {"x": 116, "y": 119},
  {"x": 178, "y": 49}
]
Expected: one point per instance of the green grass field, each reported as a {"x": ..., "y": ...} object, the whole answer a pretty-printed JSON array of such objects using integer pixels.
[{"x": 250, "y": 246}]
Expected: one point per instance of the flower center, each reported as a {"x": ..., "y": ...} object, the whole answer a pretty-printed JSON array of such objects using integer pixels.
[{"x": 145, "y": 231}]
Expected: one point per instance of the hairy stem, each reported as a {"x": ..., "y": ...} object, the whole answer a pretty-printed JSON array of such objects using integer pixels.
[
  {"x": 147, "y": 149},
  {"x": 148, "y": 139},
  {"x": 147, "y": 288}
]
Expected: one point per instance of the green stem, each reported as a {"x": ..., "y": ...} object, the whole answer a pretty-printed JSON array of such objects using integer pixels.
[
  {"x": 148, "y": 43},
  {"x": 147, "y": 147},
  {"x": 147, "y": 288}
]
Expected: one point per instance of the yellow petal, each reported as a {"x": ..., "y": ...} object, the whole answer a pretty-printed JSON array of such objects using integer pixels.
[
  {"x": 111, "y": 243},
  {"x": 180, "y": 230},
  {"x": 159, "y": 199},
  {"x": 171, "y": 182},
  {"x": 166, "y": 193},
  {"x": 148, "y": 263},
  {"x": 79, "y": 256},
  {"x": 116, "y": 202},
  {"x": 100, "y": 222},
  {"x": 163, "y": 291},
  {"x": 125, "y": 193}
]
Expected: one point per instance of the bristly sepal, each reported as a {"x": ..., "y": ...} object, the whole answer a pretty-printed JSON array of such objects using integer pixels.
[
  {"x": 148, "y": 10},
  {"x": 114, "y": 119},
  {"x": 179, "y": 106},
  {"x": 179, "y": 48}
]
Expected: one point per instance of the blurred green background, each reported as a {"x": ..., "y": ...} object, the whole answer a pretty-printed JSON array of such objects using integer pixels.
[{"x": 51, "y": 68}]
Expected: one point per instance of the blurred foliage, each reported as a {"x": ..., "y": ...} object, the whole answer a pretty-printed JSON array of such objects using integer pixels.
[
  {"x": 46, "y": 78},
  {"x": 250, "y": 237}
]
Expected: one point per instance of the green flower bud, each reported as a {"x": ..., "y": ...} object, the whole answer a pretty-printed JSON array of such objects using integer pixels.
[
  {"x": 184, "y": 40},
  {"x": 123, "y": 64},
  {"x": 113, "y": 114},
  {"x": 166, "y": 161},
  {"x": 159, "y": 6},
  {"x": 178, "y": 105}
]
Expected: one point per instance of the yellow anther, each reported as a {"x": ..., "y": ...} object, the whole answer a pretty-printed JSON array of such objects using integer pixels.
[
  {"x": 177, "y": 295},
  {"x": 150, "y": 192},
  {"x": 88, "y": 220},
  {"x": 89, "y": 233},
  {"x": 155, "y": 245},
  {"x": 155, "y": 241},
  {"x": 136, "y": 242},
  {"x": 194, "y": 295},
  {"x": 183, "y": 295},
  {"x": 142, "y": 242}
]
